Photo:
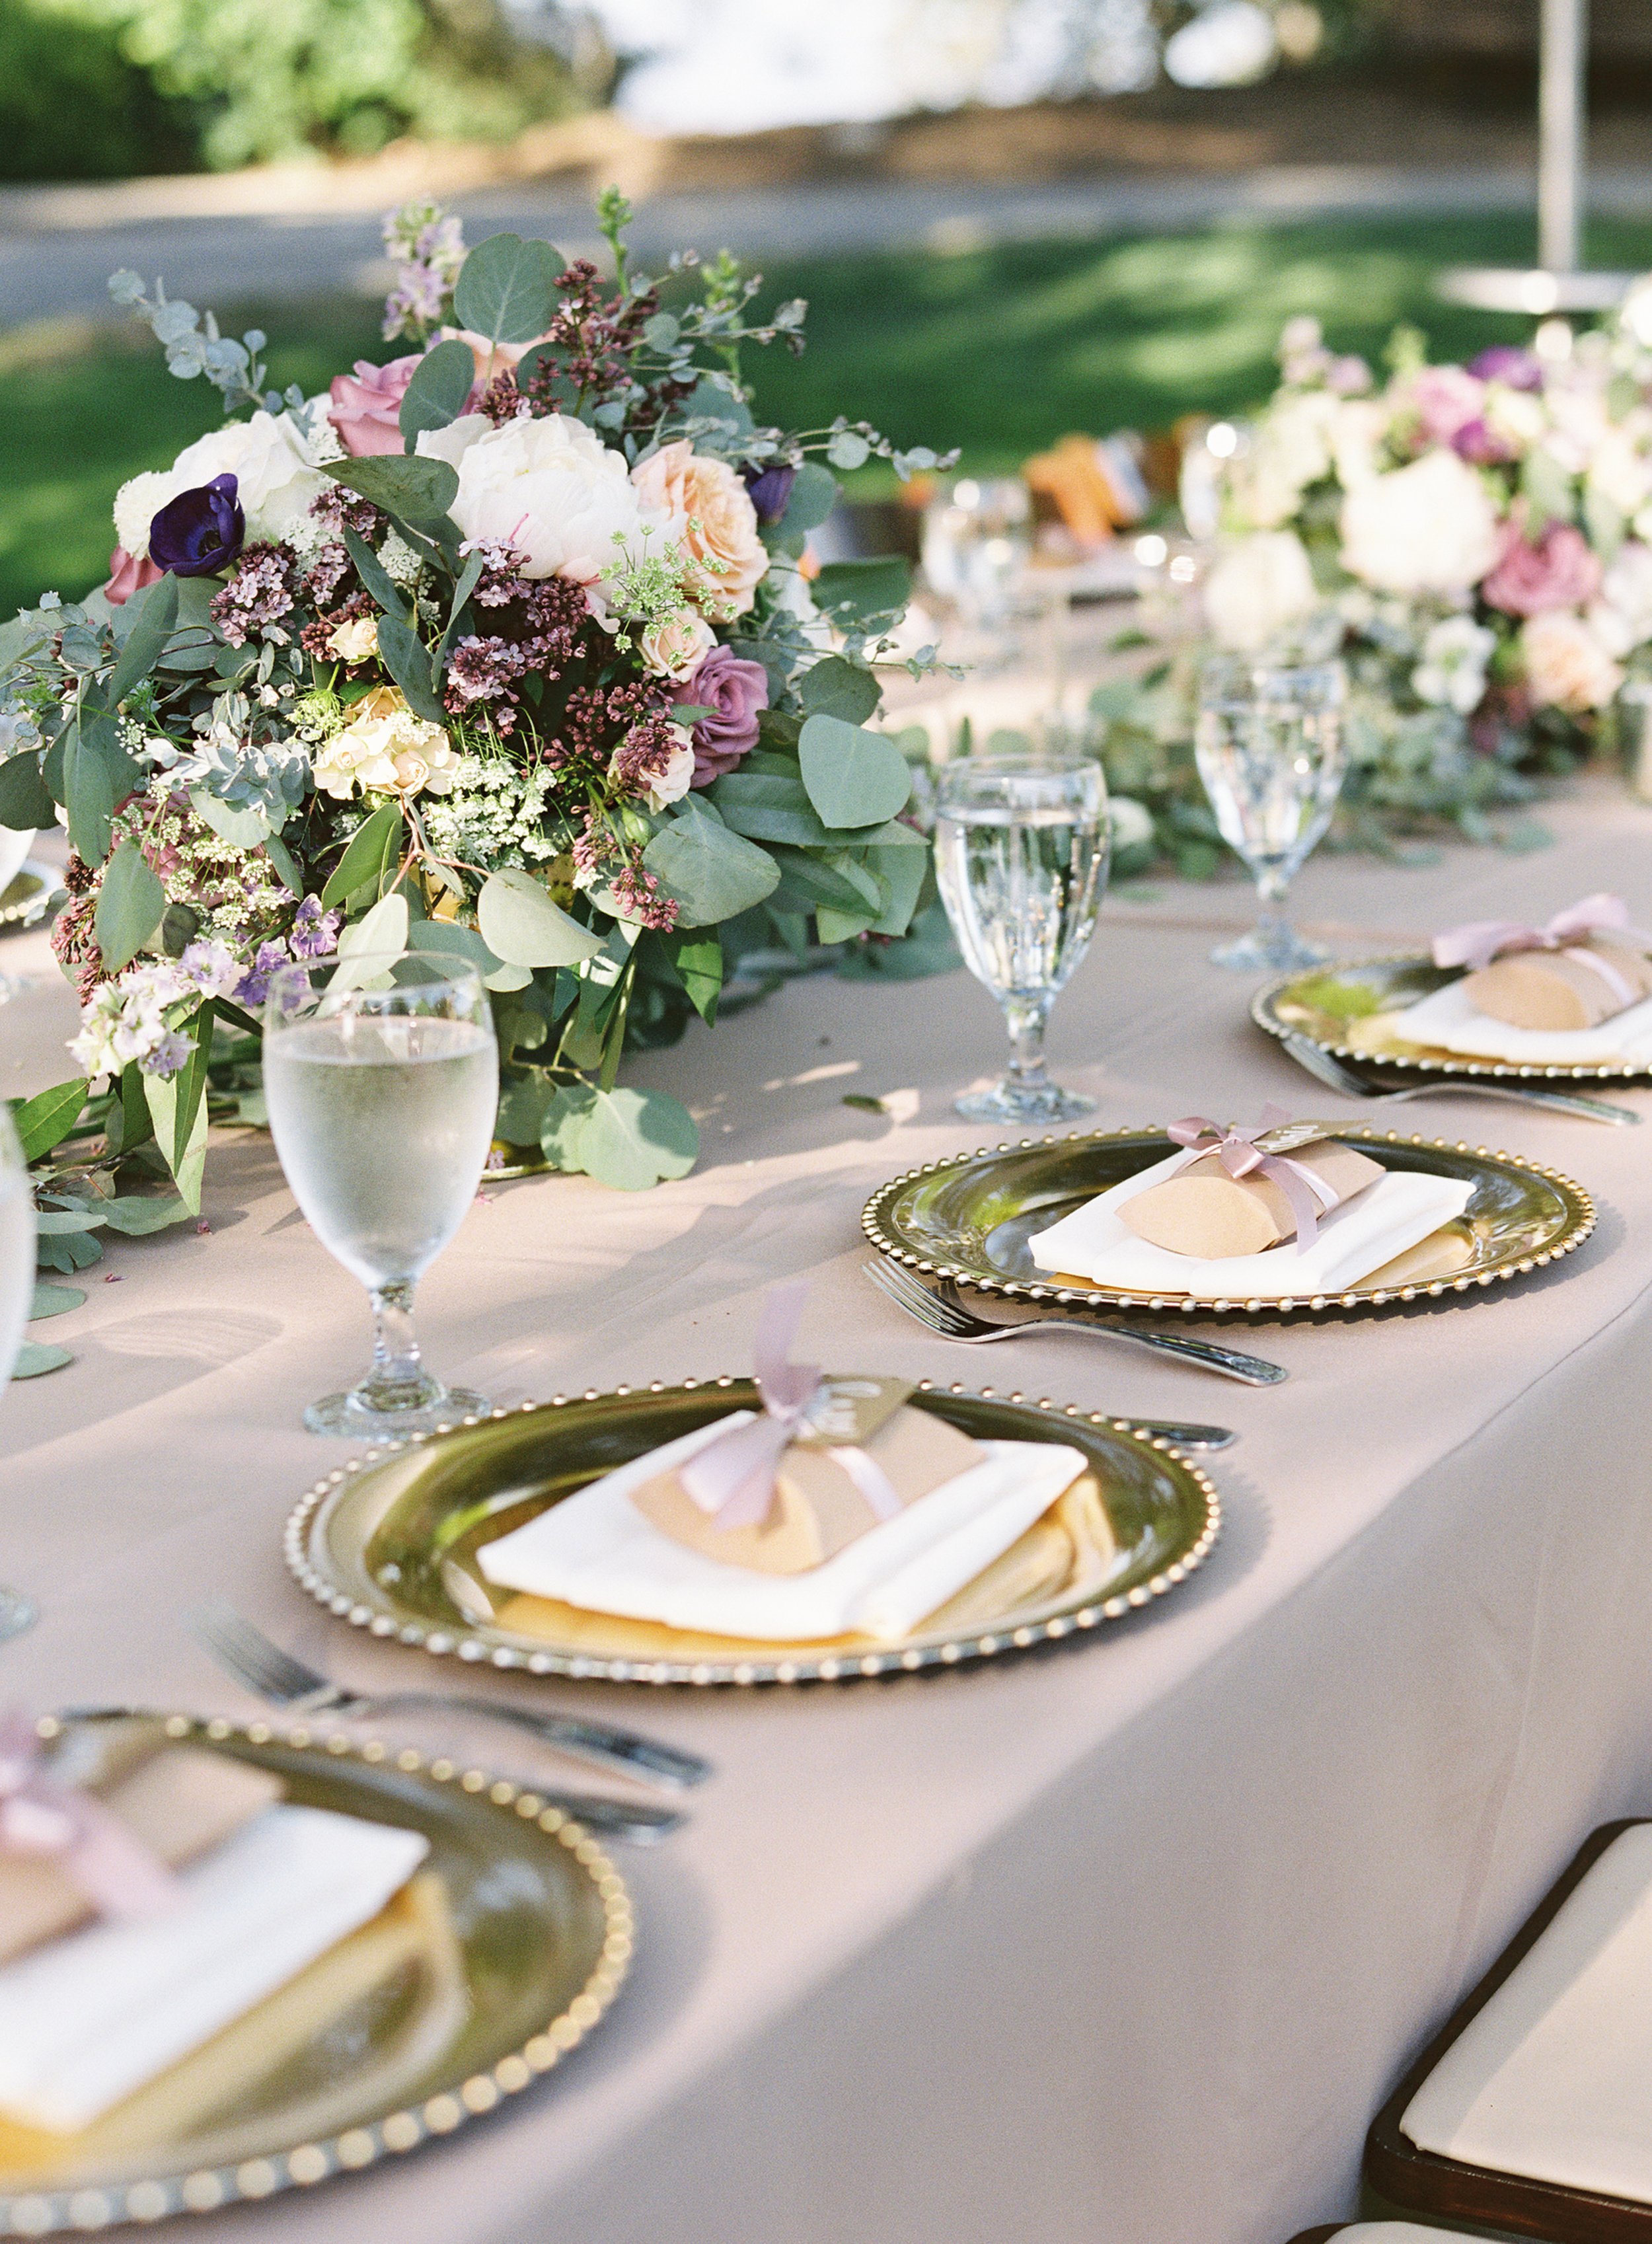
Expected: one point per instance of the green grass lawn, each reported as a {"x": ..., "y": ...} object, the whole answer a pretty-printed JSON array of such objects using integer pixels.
[{"x": 998, "y": 350}]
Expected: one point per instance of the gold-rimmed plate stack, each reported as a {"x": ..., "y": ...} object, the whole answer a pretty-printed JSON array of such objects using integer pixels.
[
  {"x": 30, "y": 894},
  {"x": 501, "y": 1957},
  {"x": 968, "y": 1218},
  {"x": 1347, "y": 1009},
  {"x": 388, "y": 1543}
]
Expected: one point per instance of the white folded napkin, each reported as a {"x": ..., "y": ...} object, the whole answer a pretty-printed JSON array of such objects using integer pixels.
[
  {"x": 86, "y": 2019},
  {"x": 1451, "y": 1021},
  {"x": 1400, "y": 1210},
  {"x": 595, "y": 1550},
  {"x": 1553, "y": 2079},
  {"x": 1396, "y": 2231}
]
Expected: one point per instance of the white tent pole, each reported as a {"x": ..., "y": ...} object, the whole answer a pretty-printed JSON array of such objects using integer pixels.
[{"x": 1562, "y": 86}]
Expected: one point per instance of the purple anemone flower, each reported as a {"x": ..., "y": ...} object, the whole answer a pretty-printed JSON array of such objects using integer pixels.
[
  {"x": 1507, "y": 363},
  {"x": 770, "y": 490},
  {"x": 200, "y": 531}
]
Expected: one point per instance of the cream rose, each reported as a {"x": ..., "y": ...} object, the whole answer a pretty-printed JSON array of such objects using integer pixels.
[
  {"x": 552, "y": 489},
  {"x": 676, "y": 645},
  {"x": 355, "y": 641},
  {"x": 678, "y": 776},
  {"x": 712, "y": 517},
  {"x": 1427, "y": 527},
  {"x": 1256, "y": 587},
  {"x": 387, "y": 749},
  {"x": 1621, "y": 618},
  {"x": 274, "y": 484},
  {"x": 1567, "y": 666}
]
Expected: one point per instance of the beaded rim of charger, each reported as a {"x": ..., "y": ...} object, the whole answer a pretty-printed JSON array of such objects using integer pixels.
[
  {"x": 1421, "y": 1062},
  {"x": 206, "y": 2189},
  {"x": 306, "y": 1528},
  {"x": 1579, "y": 1207}
]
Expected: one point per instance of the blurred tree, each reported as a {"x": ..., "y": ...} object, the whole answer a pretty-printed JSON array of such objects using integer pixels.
[
  {"x": 260, "y": 81},
  {"x": 72, "y": 105}
]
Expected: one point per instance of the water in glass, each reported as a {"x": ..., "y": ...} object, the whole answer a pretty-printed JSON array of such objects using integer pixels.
[
  {"x": 1270, "y": 749},
  {"x": 17, "y": 1297},
  {"x": 382, "y": 1104},
  {"x": 1021, "y": 855}
]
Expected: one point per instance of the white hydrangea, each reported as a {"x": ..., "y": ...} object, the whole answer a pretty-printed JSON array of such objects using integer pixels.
[
  {"x": 400, "y": 563},
  {"x": 1426, "y": 528},
  {"x": 138, "y": 502},
  {"x": 1258, "y": 586},
  {"x": 1451, "y": 675}
]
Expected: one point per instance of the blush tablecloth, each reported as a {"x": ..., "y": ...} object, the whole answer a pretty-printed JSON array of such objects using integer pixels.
[{"x": 1123, "y": 1945}]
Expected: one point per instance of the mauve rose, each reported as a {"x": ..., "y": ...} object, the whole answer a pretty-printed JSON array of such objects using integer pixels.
[
  {"x": 1559, "y": 572},
  {"x": 1446, "y": 399},
  {"x": 1507, "y": 363},
  {"x": 128, "y": 573},
  {"x": 733, "y": 690},
  {"x": 1478, "y": 443},
  {"x": 770, "y": 490},
  {"x": 200, "y": 531},
  {"x": 367, "y": 406}
]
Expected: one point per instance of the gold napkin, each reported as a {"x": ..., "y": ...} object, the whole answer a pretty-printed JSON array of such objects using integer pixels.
[
  {"x": 1550, "y": 989},
  {"x": 1202, "y": 1211},
  {"x": 178, "y": 1799},
  {"x": 817, "y": 1509}
]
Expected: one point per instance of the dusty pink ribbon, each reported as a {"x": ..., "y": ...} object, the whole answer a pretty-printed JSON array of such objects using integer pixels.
[
  {"x": 1479, "y": 940},
  {"x": 42, "y": 1817},
  {"x": 732, "y": 1477},
  {"x": 1240, "y": 1154}
]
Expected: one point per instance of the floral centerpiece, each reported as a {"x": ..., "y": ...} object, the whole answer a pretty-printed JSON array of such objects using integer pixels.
[
  {"x": 1480, "y": 535},
  {"x": 501, "y": 647}
]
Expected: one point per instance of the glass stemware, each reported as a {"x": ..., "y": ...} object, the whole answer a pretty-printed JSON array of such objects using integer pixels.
[
  {"x": 1021, "y": 855},
  {"x": 1269, "y": 749},
  {"x": 15, "y": 845},
  {"x": 382, "y": 1104},
  {"x": 17, "y": 1298}
]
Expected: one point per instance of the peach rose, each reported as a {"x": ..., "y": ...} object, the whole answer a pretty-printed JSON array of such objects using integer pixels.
[
  {"x": 1567, "y": 665},
  {"x": 715, "y": 521}
]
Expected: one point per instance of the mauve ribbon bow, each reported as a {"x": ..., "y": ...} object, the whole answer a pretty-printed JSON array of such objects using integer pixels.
[
  {"x": 42, "y": 1817},
  {"x": 1241, "y": 1155},
  {"x": 733, "y": 1478},
  {"x": 1478, "y": 942}
]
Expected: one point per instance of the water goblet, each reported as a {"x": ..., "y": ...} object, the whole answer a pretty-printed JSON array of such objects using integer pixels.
[
  {"x": 17, "y": 1298},
  {"x": 382, "y": 1080},
  {"x": 1021, "y": 855},
  {"x": 1269, "y": 750}
]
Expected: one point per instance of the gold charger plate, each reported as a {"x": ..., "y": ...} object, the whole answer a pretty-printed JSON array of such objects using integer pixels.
[
  {"x": 29, "y": 894},
  {"x": 968, "y": 1218},
  {"x": 388, "y": 1543},
  {"x": 501, "y": 1957},
  {"x": 1345, "y": 1008}
]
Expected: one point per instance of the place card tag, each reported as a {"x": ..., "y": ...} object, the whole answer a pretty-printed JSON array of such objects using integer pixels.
[{"x": 848, "y": 1411}]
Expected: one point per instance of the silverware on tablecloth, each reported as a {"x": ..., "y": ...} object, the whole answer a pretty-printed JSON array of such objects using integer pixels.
[
  {"x": 942, "y": 1309},
  {"x": 1339, "y": 1076},
  {"x": 253, "y": 1659}
]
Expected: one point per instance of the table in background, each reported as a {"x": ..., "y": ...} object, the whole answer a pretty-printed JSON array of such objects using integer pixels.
[{"x": 1123, "y": 1945}]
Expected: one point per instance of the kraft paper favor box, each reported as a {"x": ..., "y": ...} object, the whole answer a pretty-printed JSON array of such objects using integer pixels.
[
  {"x": 1552, "y": 990},
  {"x": 817, "y": 1510},
  {"x": 1204, "y": 1212}
]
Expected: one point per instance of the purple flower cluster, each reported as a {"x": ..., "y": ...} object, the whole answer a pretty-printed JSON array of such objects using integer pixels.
[
  {"x": 539, "y": 633},
  {"x": 259, "y": 592}
]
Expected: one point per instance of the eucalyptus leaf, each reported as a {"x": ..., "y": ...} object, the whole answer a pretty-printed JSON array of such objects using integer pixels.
[
  {"x": 136, "y": 1215},
  {"x": 562, "y": 1123},
  {"x": 162, "y": 1093},
  {"x": 129, "y": 902},
  {"x": 407, "y": 659},
  {"x": 52, "y": 1222},
  {"x": 841, "y": 927},
  {"x": 507, "y": 289},
  {"x": 371, "y": 947},
  {"x": 371, "y": 570},
  {"x": 37, "y": 1357},
  {"x": 242, "y": 829},
  {"x": 813, "y": 497},
  {"x": 524, "y": 927},
  {"x": 866, "y": 595},
  {"x": 838, "y": 687},
  {"x": 149, "y": 631},
  {"x": 26, "y": 802},
  {"x": 54, "y": 1302},
  {"x": 632, "y": 1140},
  {"x": 438, "y": 392},
  {"x": 712, "y": 873},
  {"x": 420, "y": 490},
  {"x": 523, "y": 1107},
  {"x": 902, "y": 872},
  {"x": 854, "y": 777},
  {"x": 372, "y": 849}
]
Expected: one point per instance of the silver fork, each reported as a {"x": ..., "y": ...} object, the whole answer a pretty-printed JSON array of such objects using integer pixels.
[
  {"x": 1340, "y": 1076},
  {"x": 940, "y": 1307},
  {"x": 252, "y": 1656}
]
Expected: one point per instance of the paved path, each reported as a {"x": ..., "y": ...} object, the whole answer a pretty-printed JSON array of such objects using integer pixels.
[{"x": 218, "y": 241}]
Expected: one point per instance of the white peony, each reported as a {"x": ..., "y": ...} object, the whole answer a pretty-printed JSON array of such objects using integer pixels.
[
  {"x": 1567, "y": 666},
  {"x": 274, "y": 482},
  {"x": 1258, "y": 586},
  {"x": 1427, "y": 527},
  {"x": 1621, "y": 618},
  {"x": 552, "y": 489},
  {"x": 452, "y": 442},
  {"x": 1451, "y": 675},
  {"x": 1291, "y": 451},
  {"x": 1356, "y": 435},
  {"x": 1621, "y": 472}
]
